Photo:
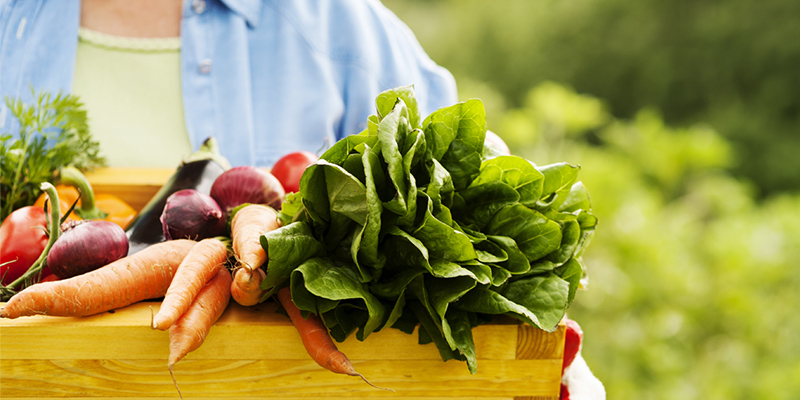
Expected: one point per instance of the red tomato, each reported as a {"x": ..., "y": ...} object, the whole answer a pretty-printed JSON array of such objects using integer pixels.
[
  {"x": 21, "y": 241},
  {"x": 289, "y": 168}
]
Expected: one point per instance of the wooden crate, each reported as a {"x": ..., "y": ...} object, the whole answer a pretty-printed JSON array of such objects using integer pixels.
[
  {"x": 255, "y": 352},
  {"x": 134, "y": 185}
]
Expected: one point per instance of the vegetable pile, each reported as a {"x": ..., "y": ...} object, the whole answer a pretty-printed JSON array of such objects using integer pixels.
[
  {"x": 425, "y": 225},
  {"x": 89, "y": 226},
  {"x": 416, "y": 223}
]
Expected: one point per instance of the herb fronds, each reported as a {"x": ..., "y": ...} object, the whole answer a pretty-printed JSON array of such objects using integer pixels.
[{"x": 53, "y": 133}]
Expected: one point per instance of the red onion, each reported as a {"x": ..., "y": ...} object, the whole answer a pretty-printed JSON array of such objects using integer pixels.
[
  {"x": 189, "y": 214},
  {"x": 246, "y": 184},
  {"x": 86, "y": 246}
]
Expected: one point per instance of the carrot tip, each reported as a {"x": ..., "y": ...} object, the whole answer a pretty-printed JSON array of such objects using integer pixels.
[
  {"x": 172, "y": 374},
  {"x": 372, "y": 384}
]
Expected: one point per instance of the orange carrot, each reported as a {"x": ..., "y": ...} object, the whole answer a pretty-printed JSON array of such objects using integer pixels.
[
  {"x": 190, "y": 330},
  {"x": 143, "y": 275},
  {"x": 246, "y": 286},
  {"x": 197, "y": 268},
  {"x": 247, "y": 226},
  {"x": 316, "y": 340}
]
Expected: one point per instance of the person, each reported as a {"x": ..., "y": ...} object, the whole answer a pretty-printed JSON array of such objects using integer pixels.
[
  {"x": 264, "y": 77},
  {"x": 157, "y": 77}
]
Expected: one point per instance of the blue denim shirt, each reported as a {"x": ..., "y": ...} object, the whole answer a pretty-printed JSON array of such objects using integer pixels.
[{"x": 263, "y": 77}]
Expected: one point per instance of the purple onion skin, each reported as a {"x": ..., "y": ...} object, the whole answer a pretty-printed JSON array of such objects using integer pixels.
[
  {"x": 189, "y": 214},
  {"x": 247, "y": 184},
  {"x": 86, "y": 246}
]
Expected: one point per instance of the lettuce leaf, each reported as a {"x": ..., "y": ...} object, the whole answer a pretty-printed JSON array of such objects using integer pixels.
[{"x": 412, "y": 225}]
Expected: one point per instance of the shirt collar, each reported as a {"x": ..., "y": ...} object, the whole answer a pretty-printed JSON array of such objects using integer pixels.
[{"x": 250, "y": 10}]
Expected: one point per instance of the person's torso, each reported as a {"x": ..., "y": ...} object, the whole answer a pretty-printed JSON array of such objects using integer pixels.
[{"x": 263, "y": 77}]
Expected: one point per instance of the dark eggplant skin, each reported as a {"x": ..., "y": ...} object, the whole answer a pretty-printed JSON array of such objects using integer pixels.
[{"x": 198, "y": 174}]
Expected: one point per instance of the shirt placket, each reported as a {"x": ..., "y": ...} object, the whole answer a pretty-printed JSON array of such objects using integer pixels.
[
  {"x": 197, "y": 72},
  {"x": 216, "y": 79}
]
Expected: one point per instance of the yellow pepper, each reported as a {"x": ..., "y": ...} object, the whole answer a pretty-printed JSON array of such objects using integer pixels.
[{"x": 90, "y": 205}]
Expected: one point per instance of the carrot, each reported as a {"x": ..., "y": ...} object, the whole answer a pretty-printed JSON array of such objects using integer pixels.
[
  {"x": 247, "y": 226},
  {"x": 143, "y": 275},
  {"x": 246, "y": 286},
  {"x": 316, "y": 340},
  {"x": 190, "y": 330},
  {"x": 196, "y": 269}
]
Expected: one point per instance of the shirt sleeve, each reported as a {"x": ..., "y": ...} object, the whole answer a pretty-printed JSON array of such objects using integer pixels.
[
  {"x": 370, "y": 50},
  {"x": 434, "y": 85}
]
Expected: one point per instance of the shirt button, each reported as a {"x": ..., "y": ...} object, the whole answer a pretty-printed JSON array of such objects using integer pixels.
[
  {"x": 199, "y": 6},
  {"x": 205, "y": 66}
]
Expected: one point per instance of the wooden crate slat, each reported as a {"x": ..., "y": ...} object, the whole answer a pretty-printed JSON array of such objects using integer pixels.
[
  {"x": 241, "y": 333},
  {"x": 273, "y": 378},
  {"x": 136, "y": 186}
]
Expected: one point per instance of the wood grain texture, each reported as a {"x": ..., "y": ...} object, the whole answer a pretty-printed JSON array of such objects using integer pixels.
[
  {"x": 136, "y": 186},
  {"x": 269, "y": 378},
  {"x": 255, "y": 352},
  {"x": 538, "y": 397},
  {"x": 174, "y": 397},
  {"x": 257, "y": 332},
  {"x": 533, "y": 343}
]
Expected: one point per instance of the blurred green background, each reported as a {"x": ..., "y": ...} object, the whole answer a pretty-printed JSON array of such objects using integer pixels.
[{"x": 685, "y": 119}]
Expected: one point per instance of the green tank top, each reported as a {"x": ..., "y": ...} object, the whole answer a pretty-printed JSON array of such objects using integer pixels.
[{"x": 131, "y": 90}]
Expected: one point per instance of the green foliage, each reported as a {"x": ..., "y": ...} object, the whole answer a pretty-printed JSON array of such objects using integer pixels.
[
  {"x": 692, "y": 283},
  {"x": 53, "y": 133},
  {"x": 405, "y": 227},
  {"x": 731, "y": 64}
]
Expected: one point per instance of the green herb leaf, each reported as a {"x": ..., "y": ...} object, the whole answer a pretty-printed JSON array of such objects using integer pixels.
[{"x": 53, "y": 133}]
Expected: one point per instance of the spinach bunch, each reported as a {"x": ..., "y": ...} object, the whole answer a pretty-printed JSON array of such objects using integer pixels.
[{"x": 414, "y": 223}]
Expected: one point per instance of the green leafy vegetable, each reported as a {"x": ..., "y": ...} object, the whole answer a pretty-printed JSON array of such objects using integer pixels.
[
  {"x": 408, "y": 225},
  {"x": 53, "y": 133}
]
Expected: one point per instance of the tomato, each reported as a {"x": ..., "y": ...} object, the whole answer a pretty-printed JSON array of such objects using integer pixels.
[
  {"x": 289, "y": 168},
  {"x": 22, "y": 241}
]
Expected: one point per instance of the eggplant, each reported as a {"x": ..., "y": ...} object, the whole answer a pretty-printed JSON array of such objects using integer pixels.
[{"x": 198, "y": 172}]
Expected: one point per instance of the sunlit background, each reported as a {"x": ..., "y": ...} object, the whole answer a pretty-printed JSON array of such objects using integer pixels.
[{"x": 685, "y": 119}]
